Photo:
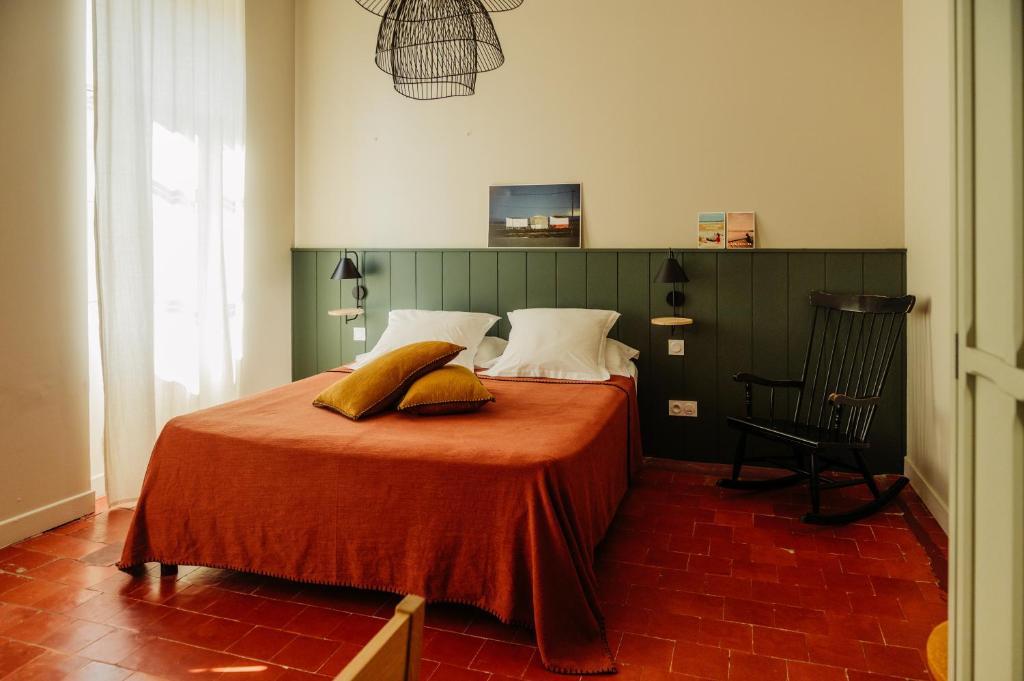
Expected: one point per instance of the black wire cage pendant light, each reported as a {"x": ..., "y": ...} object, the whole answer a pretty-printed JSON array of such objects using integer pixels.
[
  {"x": 379, "y": 7},
  {"x": 434, "y": 49}
]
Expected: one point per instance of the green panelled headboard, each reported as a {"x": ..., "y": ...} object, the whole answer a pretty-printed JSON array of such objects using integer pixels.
[{"x": 750, "y": 313}]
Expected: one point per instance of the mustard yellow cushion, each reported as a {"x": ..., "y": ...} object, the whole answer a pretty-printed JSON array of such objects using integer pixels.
[
  {"x": 452, "y": 389},
  {"x": 375, "y": 386}
]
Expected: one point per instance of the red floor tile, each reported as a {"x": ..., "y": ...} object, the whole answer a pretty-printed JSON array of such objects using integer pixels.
[
  {"x": 17, "y": 560},
  {"x": 701, "y": 661},
  {"x": 356, "y": 628},
  {"x": 48, "y": 666},
  {"x": 31, "y": 591},
  {"x": 66, "y": 599},
  {"x": 696, "y": 584},
  {"x": 341, "y": 657},
  {"x": 809, "y": 671},
  {"x": 72, "y": 572},
  {"x": 447, "y": 672},
  {"x": 36, "y": 628},
  {"x": 14, "y": 654},
  {"x": 895, "y": 660},
  {"x": 451, "y": 648},
  {"x": 261, "y": 643},
  {"x": 745, "y": 667},
  {"x": 508, "y": 659},
  {"x": 306, "y": 653},
  {"x": 646, "y": 651},
  {"x": 725, "y": 634},
  {"x": 115, "y": 646},
  {"x": 76, "y": 635},
  {"x": 59, "y": 545}
]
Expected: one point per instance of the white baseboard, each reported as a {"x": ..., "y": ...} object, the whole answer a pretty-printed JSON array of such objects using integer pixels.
[
  {"x": 928, "y": 494},
  {"x": 99, "y": 485},
  {"x": 46, "y": 517}
]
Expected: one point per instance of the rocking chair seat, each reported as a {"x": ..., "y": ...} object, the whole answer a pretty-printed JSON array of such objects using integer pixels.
[{"x": 795, "y": 434}]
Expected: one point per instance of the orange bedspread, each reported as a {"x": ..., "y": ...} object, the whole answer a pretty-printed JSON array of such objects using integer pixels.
[{"x": 500, "y": 509}]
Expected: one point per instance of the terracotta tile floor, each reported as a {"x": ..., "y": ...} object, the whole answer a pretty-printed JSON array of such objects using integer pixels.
[{"x": 696, "y": 583}]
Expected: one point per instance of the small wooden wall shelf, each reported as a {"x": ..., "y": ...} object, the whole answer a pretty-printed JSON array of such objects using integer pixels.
[{"x": 672, "y": 321}]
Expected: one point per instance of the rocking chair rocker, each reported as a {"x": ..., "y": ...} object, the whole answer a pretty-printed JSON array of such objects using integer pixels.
[{"x": 852, "y": 342}]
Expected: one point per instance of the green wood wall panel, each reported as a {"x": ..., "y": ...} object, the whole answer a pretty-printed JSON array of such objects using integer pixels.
[
  {"x": 304, "y": 321},
  {"x": 571, "y": 280},
  {"x": 429, "y": 274},
  {"x": 669, "y": 369},
  {"x": 750, "y": 309},
  {"x": 483, "y": 284},
  {"x": 328, "y": 297},
  {"x": 511, "y": 286},
  {"x": 541, "y": 279},
  {"x": 634, "y": 304},
  {"x": 735, "y": 322},
  {"x": 702, "y": 347},
  {"x": 769, "y": 336},
  {"x": 888, "y": 430},
  {"x": 603, "y": 283},
  {"x": 403, "y": 280},
  {"x": 377, "y": 269},
  {"x": 634, "y": 326},
  {"x": 844, "y": 272},
  {"x": 455, "y": 286},
  {"x": 806, "y": 274}
]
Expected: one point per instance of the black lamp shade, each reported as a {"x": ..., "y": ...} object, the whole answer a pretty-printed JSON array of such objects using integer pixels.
[
  {"x": 671, "y": 272},
  {"x": 346, "y": 269}
]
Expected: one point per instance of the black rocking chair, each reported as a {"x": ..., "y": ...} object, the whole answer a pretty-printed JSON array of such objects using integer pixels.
[{"x": 852, "y": 342}]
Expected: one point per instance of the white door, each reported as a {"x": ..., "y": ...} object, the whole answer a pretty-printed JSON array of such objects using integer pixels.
[{"x": 987, "y": 639}]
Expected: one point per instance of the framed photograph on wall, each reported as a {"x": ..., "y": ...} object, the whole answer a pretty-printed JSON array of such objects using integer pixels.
[
  {"x": 740, "y": 229},
  {"x": 711, "y": 230},
  {"x": 536, "y": 216}
]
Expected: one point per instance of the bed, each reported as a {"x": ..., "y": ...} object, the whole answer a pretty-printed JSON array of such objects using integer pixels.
[{"x": 501, "y": 509}]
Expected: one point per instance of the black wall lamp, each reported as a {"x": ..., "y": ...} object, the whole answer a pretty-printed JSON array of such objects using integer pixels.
[
  {"x": 348, "y": 269},
  {"x": 671, "y": 272}
]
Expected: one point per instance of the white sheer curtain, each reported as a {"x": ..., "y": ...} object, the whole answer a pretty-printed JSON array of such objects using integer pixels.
[{"x": 170, "y": 156}]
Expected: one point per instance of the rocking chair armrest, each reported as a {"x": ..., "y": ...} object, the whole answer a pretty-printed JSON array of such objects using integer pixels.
[
  {"x": 848, "y": 401},
  {"x": 767, "y": 382}
]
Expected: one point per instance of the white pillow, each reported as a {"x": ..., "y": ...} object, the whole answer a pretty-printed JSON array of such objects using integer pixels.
[
  {"x": 489, "y": 351},
  {"x": 413, "y": 326},
  {"x": 561, "y": 343},
  {"x": 617, "y": 358}
]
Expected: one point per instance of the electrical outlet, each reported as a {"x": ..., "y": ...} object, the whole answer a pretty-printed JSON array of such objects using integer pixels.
[
  {"x": 682, "y": 408},
  {"x": 676, "y": 347},
  {"x": 358, "y": 333}
]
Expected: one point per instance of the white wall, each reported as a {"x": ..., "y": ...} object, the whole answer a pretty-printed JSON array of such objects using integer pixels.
[
  {"x": 269, "y": 192},
  {"x": 929, "y": 204},
  {"x": 44, "y": 419},
  {"x": 661, "y": 108}
]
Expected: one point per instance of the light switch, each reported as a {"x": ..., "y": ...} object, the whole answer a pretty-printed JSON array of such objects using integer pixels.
[
  {"x": 358, "y": 333},
  {"x": 676, "y": 346}
]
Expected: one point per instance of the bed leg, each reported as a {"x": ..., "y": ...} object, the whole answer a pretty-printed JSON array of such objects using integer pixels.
[
  {"x": 168, "y": 570},
  {"x": 135, "y": 570}
]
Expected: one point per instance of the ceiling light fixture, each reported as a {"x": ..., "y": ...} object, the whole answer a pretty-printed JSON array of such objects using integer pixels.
[{"x": 434, "y": 49}]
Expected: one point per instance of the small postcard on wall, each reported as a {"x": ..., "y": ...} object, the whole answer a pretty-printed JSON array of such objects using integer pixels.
[
  {"x": 740, "y": 229},
  {"x": 711, "y": 230}
]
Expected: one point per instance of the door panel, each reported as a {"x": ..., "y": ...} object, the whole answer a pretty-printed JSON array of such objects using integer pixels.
[
  {"x": 998, "y": 183},
  {"x": 987, "y": 635},
  {"x": 998, "y": 480}
]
